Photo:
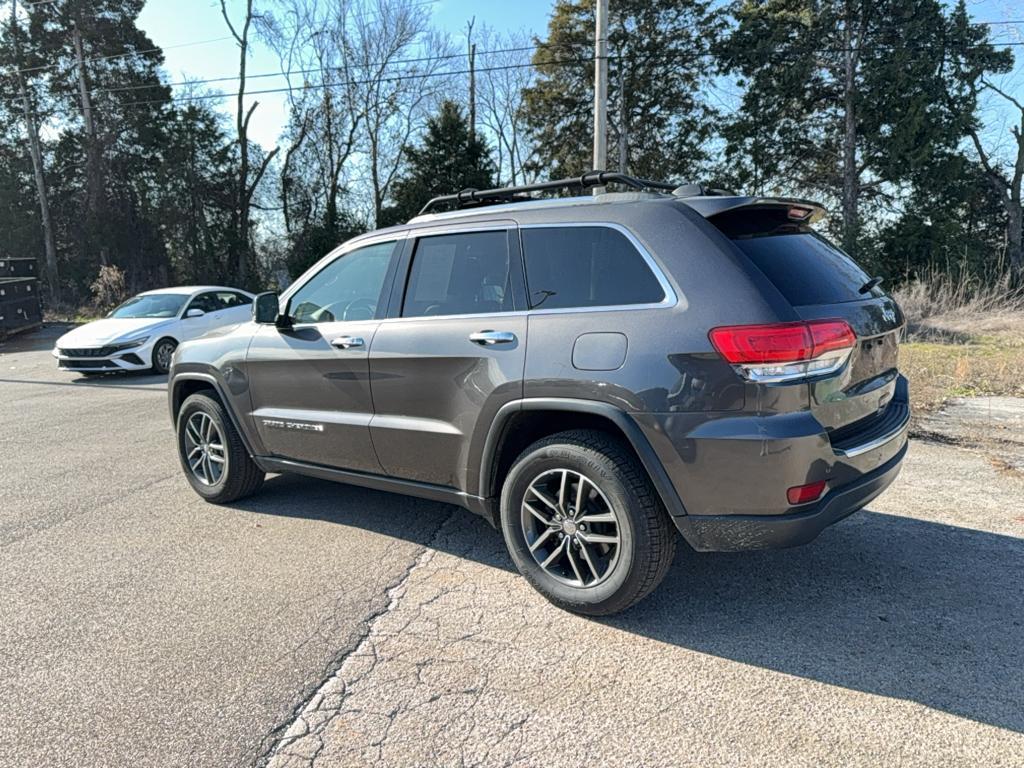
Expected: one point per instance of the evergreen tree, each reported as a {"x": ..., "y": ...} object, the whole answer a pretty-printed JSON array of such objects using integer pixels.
[
  {"x": 450, "y": 159},
  {"x": 841, "y": 98},
  {"x": 659, "y": 123},
  {"x": 112, "y": 107}
]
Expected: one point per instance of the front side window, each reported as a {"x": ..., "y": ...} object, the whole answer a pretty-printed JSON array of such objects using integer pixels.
[
  {"x": 570, "y": 267},
  {"x": 349, "y": 288},
  {"x": 459, "y": 274}
]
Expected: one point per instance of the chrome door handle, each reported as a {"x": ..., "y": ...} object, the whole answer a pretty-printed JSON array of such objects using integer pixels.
[
  {"x": 347, "y": 342},
  {"x": 490, "y": 338}
]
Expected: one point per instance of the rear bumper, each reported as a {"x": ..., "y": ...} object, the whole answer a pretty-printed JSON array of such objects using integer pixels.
[
  {"x": 731, "y": 471},
  {"x": 735, "y": 533}
]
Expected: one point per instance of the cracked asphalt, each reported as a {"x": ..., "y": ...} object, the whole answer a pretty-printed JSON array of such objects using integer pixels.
[{"x": 324, "y": 625}]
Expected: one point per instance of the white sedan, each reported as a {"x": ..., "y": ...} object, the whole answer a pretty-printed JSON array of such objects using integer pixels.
[{"x": 143, "y": 332}]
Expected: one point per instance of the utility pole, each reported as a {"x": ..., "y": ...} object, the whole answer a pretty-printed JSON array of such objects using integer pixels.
[
  {"x": 472, "y": 78},
  {"x": 601, "y": 90},
  {"x": 623, "y": 125},
  {"x": 35, "y": 151}
]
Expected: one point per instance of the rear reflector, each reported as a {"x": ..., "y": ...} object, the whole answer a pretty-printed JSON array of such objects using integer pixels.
[
  {"x": 780, "y": 352},
  {"x": 802, "y": 494}
]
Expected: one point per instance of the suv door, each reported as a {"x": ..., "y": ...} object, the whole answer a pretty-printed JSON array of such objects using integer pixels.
[
  {"x": 310, "y": 382},
  {"x": 451, "y": 354}
]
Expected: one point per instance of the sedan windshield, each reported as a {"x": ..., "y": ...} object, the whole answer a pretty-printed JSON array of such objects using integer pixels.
[{"x": 155, "y": 305}]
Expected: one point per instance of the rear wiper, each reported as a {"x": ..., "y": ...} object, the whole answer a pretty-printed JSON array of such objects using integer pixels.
[{"x": 874, "y": 282}]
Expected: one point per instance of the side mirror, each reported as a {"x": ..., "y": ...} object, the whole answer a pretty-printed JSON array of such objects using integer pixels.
[
  {"x": 195, "y": 313},
  {"x": 266, "y": 309}
]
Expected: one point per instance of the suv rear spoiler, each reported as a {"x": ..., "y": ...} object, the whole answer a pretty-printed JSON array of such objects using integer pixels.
[{"x": 710, "y": 206}]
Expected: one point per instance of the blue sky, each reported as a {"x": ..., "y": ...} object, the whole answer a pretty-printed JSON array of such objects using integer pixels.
[{"x": 192, "y": 31}]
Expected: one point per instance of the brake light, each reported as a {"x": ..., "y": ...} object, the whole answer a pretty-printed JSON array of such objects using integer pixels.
[
  {"x": 802, "y": 494},
  {"x": 781, "y": 352}
]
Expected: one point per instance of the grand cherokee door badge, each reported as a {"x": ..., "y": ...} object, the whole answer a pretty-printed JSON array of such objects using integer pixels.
[{"x": 299, "y": 425}]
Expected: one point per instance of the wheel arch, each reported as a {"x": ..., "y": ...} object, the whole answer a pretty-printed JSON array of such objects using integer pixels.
[
  {"x": 183, "y": 385},
  {"x": 521, "y": 422}
]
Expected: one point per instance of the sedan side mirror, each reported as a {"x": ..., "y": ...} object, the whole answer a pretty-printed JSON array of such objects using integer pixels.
[
  {"x": 194, "y": 313},
  {"x": 266, "y": 309}
]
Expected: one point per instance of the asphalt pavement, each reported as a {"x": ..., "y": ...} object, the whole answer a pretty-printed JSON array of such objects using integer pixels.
[{"x": 318, "y": 624}]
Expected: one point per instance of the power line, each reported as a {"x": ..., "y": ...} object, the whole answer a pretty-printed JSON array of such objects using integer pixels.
[
  {"x": 160, "y": 49},
  {"x": 316, "y": 70},
  {"x": 521, "y": 49},
  {"x": 142, "y": 52},
  {"x": 416, "y": 75},
  {"x": 345, "y": 83}
]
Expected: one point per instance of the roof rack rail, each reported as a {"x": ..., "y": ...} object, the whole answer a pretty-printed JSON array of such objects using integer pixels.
[{"x": 469, "y": 197}]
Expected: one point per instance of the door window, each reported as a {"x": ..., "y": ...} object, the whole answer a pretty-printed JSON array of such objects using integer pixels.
[
  {"x": 586, "y": 267},
  {"x": 459, "y": 274},
  {"x": 207, "y": 302},
  {"x": 349, "y": 288},
  {"x": 232, "y": 299}
]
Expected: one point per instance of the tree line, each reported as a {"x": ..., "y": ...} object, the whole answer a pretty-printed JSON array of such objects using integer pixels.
[{"x": 881, "y": 109}]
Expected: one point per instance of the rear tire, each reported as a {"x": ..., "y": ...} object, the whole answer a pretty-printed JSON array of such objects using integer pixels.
[
  {"x": 212, "y": 455},
  {"x": 615, "y": 539}
]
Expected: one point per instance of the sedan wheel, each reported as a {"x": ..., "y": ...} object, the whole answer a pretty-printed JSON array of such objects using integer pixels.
[{"x": 162, "y": 354}]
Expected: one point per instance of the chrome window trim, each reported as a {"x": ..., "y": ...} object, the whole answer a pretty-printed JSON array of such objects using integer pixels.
[{"x": 435, "y": 229}]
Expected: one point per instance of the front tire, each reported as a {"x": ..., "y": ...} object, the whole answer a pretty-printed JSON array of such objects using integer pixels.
[
  {"x": 212, "y": 454},
  {"x": 583, "y": 524},
  {"x": 163, "y": 350}
]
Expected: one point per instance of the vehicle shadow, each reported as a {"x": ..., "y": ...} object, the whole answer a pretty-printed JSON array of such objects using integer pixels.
[
  {"x": 883, "y": 604},
  {"x": 142, "y": 381}
]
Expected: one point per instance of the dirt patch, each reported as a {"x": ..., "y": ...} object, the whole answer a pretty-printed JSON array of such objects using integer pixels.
[{"x": 994, "y": 425}]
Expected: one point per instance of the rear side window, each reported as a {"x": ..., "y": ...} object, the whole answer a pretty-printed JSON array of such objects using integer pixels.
[
  {"x": 806, "y": 268},
  {"x": 586, "y": 267},
  {"x": 459, "y": 274}
]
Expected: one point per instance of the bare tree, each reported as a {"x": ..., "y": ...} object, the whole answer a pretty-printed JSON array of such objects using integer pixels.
[
  {"x": 312, "y": 41},
  {"x": 397, "y": 62},
  {"x": 248, "y": 179},
  {"x": 504, "y": 72},
  {"x": 1007, "y": 178}
]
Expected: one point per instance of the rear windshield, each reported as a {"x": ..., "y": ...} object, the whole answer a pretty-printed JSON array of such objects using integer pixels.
[{"x": 806, "y": 268}]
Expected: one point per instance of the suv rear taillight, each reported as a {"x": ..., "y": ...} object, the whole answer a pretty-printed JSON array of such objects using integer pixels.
[{"x": 782, "y": 352}]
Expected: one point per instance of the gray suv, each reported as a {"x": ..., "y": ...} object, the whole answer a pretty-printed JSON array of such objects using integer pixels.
[{"x": 594, "y": 375}]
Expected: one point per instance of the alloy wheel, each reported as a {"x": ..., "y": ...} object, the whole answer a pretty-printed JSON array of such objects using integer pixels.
[
  {"x": 571, "y": 529},
  {"x": 164, "y": 352},
  {"x": 204, "y": 448}
]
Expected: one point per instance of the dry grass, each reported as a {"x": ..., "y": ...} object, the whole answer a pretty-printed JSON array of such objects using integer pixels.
[
  {"x": 938, "y": 307},
  {"x": 986, "y": 365},
  {"x": 964, "y": 339}
]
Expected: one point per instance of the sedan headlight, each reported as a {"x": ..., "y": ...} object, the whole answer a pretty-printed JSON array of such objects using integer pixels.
[{"x": 120, "y": 345}]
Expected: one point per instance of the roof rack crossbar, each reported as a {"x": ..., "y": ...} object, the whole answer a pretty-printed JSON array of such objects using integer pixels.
[{"x": 588, "y": 179}]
